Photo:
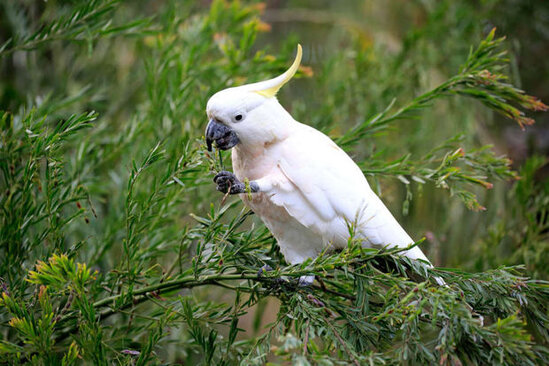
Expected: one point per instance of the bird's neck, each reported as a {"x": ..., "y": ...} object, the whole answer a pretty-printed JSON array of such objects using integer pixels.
[{"x": 255, "y": 161}]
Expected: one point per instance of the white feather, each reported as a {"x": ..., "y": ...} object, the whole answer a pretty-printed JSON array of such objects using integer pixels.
[
  {"x": 310, "y": 190},
  {"x": 314, "y": 191}
]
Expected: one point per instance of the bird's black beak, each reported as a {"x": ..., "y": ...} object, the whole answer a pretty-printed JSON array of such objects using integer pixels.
[{"x": 224, "y": 137}]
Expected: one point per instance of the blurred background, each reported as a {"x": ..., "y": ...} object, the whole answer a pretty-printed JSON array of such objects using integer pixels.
[{"x": 149, "y": 67}]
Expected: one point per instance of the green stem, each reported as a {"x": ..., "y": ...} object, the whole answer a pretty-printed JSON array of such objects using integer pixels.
[{"x": 185, "y": 282}]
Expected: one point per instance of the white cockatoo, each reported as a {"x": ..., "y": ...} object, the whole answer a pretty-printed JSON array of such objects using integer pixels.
[{"x": 303, "y": 186}]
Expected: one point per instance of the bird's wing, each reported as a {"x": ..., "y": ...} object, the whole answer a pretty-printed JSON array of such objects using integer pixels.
[{"x": 327, "y": 192}]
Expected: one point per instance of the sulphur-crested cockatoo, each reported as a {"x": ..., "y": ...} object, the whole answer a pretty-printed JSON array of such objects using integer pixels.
[{"x": 304, "y": 187}]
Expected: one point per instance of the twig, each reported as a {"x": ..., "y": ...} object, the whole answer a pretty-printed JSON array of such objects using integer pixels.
[
  {"x": 341, "y": 341},
  {"x": 226, "y": 195},
  {"x": 306, "y": 339},
  {"x": 66, "y": 307}
]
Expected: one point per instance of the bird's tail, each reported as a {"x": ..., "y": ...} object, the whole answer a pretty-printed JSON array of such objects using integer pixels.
[{"x": 381, "y": 228}]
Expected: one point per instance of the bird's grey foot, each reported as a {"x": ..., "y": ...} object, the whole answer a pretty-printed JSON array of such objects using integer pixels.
[
  {"x": 275, "y": 282},
  {"x": 305, "y": 281},
  {"x": 228, "y": 182}
]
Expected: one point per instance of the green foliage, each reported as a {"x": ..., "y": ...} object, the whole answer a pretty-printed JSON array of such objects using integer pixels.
[
  {"x": 521, "y": 235},
  {"x": 87, "y": 22},
  {"x": 111, "y": 250},
  {"x": 480, "y": 78},
  {"x": 37, "y": 188}
]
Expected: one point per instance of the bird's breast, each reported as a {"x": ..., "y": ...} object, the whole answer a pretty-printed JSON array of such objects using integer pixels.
[
  {"x": 250, "y": 166},
  {"x": 296, "y": 242}
]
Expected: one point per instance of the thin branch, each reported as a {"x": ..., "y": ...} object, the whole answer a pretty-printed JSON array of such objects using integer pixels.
[{"x": 347, "y": 350}]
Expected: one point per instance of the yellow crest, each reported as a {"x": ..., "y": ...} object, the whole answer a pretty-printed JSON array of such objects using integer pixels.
[{"x": 269, "y": 88}]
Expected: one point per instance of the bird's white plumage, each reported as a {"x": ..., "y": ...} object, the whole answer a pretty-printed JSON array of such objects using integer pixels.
[
  {"x": 310, "y": 191},
  {"x": 316, "y": 195}
]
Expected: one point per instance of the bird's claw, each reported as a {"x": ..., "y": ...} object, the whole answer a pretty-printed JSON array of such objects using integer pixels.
[
  {"x": 228, "y": 182},
  {"x": 273, "y": 283},
  {"x": 277, "y": 282}
]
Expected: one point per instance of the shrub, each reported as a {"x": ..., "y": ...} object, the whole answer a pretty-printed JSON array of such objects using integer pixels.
[{"x": 114, "y": 247}]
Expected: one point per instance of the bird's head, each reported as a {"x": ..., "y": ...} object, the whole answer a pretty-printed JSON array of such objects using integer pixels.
[{"x": 249, "y": 114}]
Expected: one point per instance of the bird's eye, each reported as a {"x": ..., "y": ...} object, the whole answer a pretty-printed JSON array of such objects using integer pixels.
[{"x": 238, "y": 117}]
